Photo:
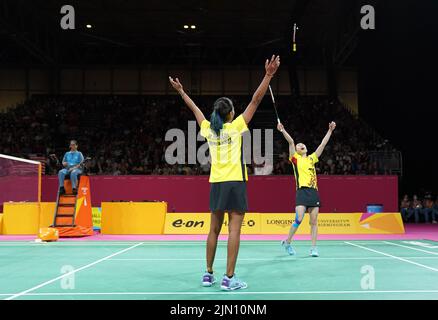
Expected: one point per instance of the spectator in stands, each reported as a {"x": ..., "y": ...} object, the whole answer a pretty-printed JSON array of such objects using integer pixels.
[
  {"x": 52, "y": 164},
  {"x": 417, "y": 206},
  {"x": 71, "y": 162},
  {"x": 428, "y": 208},
  {"x": 406, "y": 208},
  {"x": 435, "y": 212}
]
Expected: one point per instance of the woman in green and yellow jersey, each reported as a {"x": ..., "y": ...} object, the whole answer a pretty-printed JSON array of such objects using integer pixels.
[
  {"x": 228, "y": 173},
  {"x": 307, "y": 196}
]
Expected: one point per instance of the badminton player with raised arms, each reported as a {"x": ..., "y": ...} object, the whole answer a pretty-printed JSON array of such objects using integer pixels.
[
  {"x": 307, "y": 196},
  {"x": 228, "y": 174}
]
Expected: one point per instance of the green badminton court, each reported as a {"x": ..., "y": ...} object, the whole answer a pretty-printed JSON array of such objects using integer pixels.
[{"x": 173, "y": 269}]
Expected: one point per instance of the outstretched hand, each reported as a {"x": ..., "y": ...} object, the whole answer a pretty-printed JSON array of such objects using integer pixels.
[
  {"x": 280, "y": 127},
  {"x": 176, "y": 84},
  {"x": 271, "y": 66},
  {"x": 332, "y": 126}
]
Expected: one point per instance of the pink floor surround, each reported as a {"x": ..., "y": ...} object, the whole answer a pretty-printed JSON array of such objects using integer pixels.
[{"x": 413, "y": 231}]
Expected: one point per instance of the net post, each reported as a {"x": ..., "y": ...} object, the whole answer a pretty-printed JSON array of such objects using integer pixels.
[{"x": 39, "y": 181}]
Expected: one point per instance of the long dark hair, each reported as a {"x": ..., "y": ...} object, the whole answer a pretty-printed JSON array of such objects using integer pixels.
[{"x": 221, "y": 108}]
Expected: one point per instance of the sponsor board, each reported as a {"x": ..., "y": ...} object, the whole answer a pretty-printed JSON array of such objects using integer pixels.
[
  {"x": 280, "y": 223},
  {"x": 335, "y": 223},
  {"x": 97, "y": 217}
]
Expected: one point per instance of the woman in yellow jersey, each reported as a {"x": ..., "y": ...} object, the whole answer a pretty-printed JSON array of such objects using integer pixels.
[
  {"x": 228, "y": 173},
  {"x": 307, "y": 197}
]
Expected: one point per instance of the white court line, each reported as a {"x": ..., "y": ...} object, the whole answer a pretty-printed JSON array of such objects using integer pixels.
[
  {"x": 175, "y": 243},
  {"x": 71, "y": 272},
  {"x": 224, "y": 293},
  {"x": 392, "y": 256},
  {"x": 264, "y": 259},
  {"x": 412, "y": 248}
]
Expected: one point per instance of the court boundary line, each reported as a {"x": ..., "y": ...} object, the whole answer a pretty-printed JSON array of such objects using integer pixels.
[
  {"x": 174, "y": 243},
  {"x": 412, "y": 248},
  {"x": 286, "y": 258},
  {"x": 71, "y": 272},
  {"x": 226, "y": 293},
  {"x": 392, "y": 256}
]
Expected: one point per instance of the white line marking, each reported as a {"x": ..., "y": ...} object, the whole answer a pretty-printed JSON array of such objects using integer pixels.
[
  {"x": 171, "y": 243},
  {"x": 224, "y": 293},
  {"x": 392, "y": 256},
  {"x": 266, "y": 259},
  {"x": 72, "y": 272},
  {"x": 412, "y": 248}
]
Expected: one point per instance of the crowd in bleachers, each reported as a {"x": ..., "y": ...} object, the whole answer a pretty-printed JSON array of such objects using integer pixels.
[
  {"x": 125, "y": 134},
  {"x": 418, "y": 209}
]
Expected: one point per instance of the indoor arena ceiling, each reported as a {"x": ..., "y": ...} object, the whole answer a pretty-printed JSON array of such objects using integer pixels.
[{"x": 139, "y": 31}]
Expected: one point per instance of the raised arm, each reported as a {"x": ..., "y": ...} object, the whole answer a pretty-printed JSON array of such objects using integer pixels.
[
  {"x": 288, "y": 139},
  {"x": 270, "y": 67},
  {"x": 326, "y": 139},
  {"x": 189, "y": 102}
]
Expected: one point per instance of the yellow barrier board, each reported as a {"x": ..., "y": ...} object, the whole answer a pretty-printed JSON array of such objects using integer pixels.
[
  {"x": 133, "y": 217},
  {"x": 21, "y": 218},
  {"x": 280, "y": 223},
  {"x": 1, "y": 223},
  {"x": 335, "y": 223},
  {"x": 27, "y": 217},
  {"x": 199, "y": 223},
  {"x": 47, "y": 213}
]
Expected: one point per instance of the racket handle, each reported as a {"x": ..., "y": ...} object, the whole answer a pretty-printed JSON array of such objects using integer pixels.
[{"x": 278, "y": 120}]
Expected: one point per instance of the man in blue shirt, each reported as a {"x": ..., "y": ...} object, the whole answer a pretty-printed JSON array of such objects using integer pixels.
[{"x": 71, "y": 162}]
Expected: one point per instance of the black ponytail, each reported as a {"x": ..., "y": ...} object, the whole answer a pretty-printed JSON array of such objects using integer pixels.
[{"x": 222, "y": 107}]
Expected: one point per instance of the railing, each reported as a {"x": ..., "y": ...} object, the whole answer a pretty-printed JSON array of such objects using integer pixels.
[{"x": 390, "y": 160}]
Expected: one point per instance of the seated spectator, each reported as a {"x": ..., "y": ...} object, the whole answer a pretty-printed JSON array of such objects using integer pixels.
[
  {"x": 428, "y": 208},
  {"x": 406, "y": 208},
  {"x": 417, "y": 206},
  {"x": 72, "y": 166},
  {"x": 435, "y": 212}
]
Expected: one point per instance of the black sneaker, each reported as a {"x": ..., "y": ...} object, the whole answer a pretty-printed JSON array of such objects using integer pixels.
[
  {"x": 62, "y": 190},
  {"x": 75, "y": 191}
]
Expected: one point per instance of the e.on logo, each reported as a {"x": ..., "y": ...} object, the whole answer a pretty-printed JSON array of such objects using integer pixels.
[{"x": 188, "y": 224}]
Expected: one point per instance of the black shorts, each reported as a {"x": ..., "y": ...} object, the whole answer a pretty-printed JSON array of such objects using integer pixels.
[
  {"x": 308, "y": 197},
  {"x": 228, "y": 196}
]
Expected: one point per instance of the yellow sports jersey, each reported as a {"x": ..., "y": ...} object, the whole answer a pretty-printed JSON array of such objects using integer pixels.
[
  {"x": 226, "y": 151},
  {"x": 304, "y": 170}
]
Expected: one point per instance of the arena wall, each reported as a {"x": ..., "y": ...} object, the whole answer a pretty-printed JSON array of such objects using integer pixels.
[{"x": 265, "y": 193}]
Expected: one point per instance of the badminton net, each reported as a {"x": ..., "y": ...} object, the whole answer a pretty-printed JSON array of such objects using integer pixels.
[{"x": 20, "y": 180}]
